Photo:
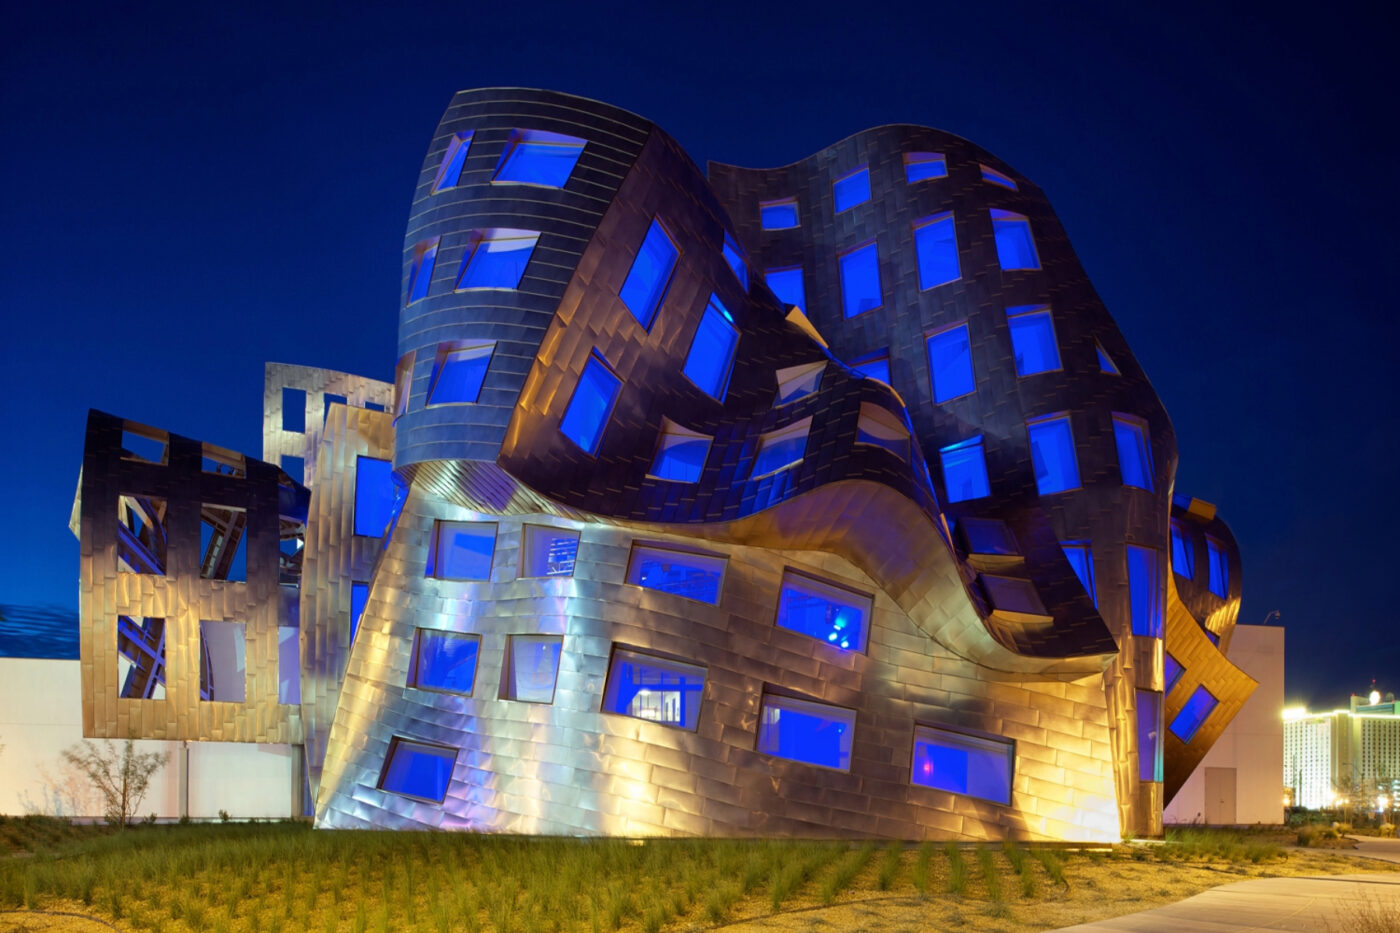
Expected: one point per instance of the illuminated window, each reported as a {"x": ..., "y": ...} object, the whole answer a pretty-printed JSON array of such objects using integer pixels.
[
  {"x": 1081, "y": 558},
  {"x": 781, "y": 449},
  {"x": 936, "y": 244},
  {"x": 444, "y": 661},
  {"x": 875, "y": 366},
  {"x": 1033, "y": 340},
  {"x": 682, "y": 573},
  {"x": 965, "y": 470},
  {"x": 141, "y": 539},
  {"x": 851, "y": 189},
  {"x": 997, "y": 178},
  {"x": 950, "y": 364},
  {"x": 734, "y": 257},
  {"x": 1149, "y": 723},
  {"x": 778, "y": 215},
  {"x": 1183, "y": 554},
  {"x": 921, "y": 166},
  {"x": 590, "y": 406},
  {"x": 963, "y": 764},
  {"x": 650, "y": 274},
  {"x": 796, "y": 382},
  {"x": 787, "y": 286},
  {"x": 1145, "y": 590},
  {"x": 1219, "y": 581},
  {"x": 222, "y": 664},
  {"x": 403, "y": 382},
  {"x": 375, "y": 490},
  {"x": 288, "y": 665},
  {"x": 1194, "y": 714},
  {"x": 1105, "y": 361},
  {"x": 450, "y": 172},
  {"x": 1134, "y": 451},
  {"x": 1171, "y": 670},
  {"x": 988, "y": 536},
  {"x": 680, "y": 454},
  {"x": 860, "y": 280},
  {"x": 547, "y": 551},
  {"x": 359, "y": 596},
  {"x": 418, "y": 770},
  {"x": 532, "y": 667},
  {"x": 141, "y": 657},
  {"x": 711, "y": 356},
  {"x": 420, "y": 274},
  {"x": 461, "y": 550},
  {"x": 1052, "y": 454},
  {"x": 879, "y": 427},
  {"x": 1015, "y": 246},
  {"x": 535, "y": 157},
  {"x": 293, "y": 410},
  {"x": 496, "y": 258},
  {"x": 829, "y": 613},
  {"x": 223, "y": 542},
  {"x": 458, "y": 372},
  {"x": 655, "y": 689},
  {"x": 802, "y": 730}
]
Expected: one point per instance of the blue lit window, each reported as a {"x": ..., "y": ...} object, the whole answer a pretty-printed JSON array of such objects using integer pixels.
[
  {"x": 1171, "y": 670},
  {"x": 223, "y": 658},
  {"x": 590, "y": 406},
  {"x": 1013, "y": 594},
  {"x": 875, "y": 366},
  {"x": 496, "y": 258},
  {"x": 444, "y": 661},
  {"x": 1052, "y": 454},
  {"x": 1081, "y": 558},
  {"x": 787, "y": 286},
  {"x": 546, "y": 551},
  {"x": 801, "y": 730},
  {"x": 223, "y": 543},
  {"x": 950, "y": 364},
  {"x": 461, "y": 550},
  {"x": 327, "y": 401},
  {"x": 852, "y": 189},
  {"x": 1033, "y": 340},
  {"x": 293, "y": 411},
  {"x": 1194, "y": 714},
  {"x": 1134, "y": 451},
  {"x": 295, "y": 467},
  {"x": 680, "y": 454},
  {"x": 860, "y": 280},
  {"x": 796, "y": 382},
  {"x": 403, "y": 382},
  {"x": 827, "y": 612},
  {"x": 778, "y": 215},
  {"x": 415, "y": 769},
  {"x": 1145, "y": 590},
  {"x": 879, "y": 427},
  {"x": 711, "y": 356},
  {"x": 655, "y": 689},
  {"x": 1105, "y": 361},
  {"x": 359, "y": 596},
  {"x": 450, "y": 172},
  {"x": 535, "y": 157},
  {"x": 963, "y": 764},
  {"x": 1219, "y": 568},
  {"x": 936, "y": 243},
  {"x": 1149, "y": 723},
  {"x": 781, "y": 449},
  {"x": 458, "y": 372},
  {"x": 682, "y": 573},
  {"x": 420, "y": 274},
  {"x": 650, "y": 274},
  {"x": 997, "y": 178},
  {"x": 735, "y": 258},
  {"x": 374, "y": 495},
  {"x": 1183, "y": 554},
  {"x": 532, "y": 668},
  {"x": 288, "y": 665},
  {"x": 965, "y": 470},
  {"x": 920, "y": 166},
  {"x": 988, "y": 536},
  {"x": 1015, "y": 246}
]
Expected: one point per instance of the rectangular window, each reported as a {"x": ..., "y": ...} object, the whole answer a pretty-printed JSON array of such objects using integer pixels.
[
  {"x": 860, "y": 280},
  {"x": 1194, "y": 714},
  {"x": 450, "y": 172},
  {"x": 778, "y": 215},
  {"x": 876, "y": 366},
  {"x": 1145, "y": 590},
  {"x": 988, "y": 536},
  {"x": 734, "y": 257},
  {"x": 222, "y": 666},
  {"x": 374, "y": 495},
  {"x": 825, "y": 611},
  {"x": 965, "y": 470},
  {"x": 459, "y": 371},
  {"x": 1033, "y": 339},
  {"x": 327, "y": 400},
  {"x": 1134, "y": 451},
  {"x": 1015, "y": 245},
  {"x": 1149, "y": 723},
  {"x": 852, "y": 189},
  {"x": 797, "y": 382},
  {"x": 141, "y": 657},
  {"x": 651, "y": 270},
  {"x": 681, "y": 573},
  {"x": 359, "y": 596},
  {"x": 536, "y": 157},
  {"x": 1013, "y": 594},
  {"x": 1052, "y": 454},
  {"x": 223, "y": 462},
  {"x": 444, "y": 661},
  {"x": 680, "y": 454},
  {"x": 787, "y": 286},
  {"x": 461, "y": 550},
  {"x": 294, "y": 467},
  {"x": 546, "y": 551},
  {"x": 801, "y": 730},
  {"x": 141, "y": 539},
  {"x": 781, "y": 449},
  {"x": 921, "y": 166},
  {"x": 288, "y": 665},
  {"x": 1219, "y": 580},
  {"x": 1171, "y": 670},
  {"x": 420, "y": 274},
  {"x": 418, "y": 770},
  {"x": 655, "y": 689},
  {"x": 293, "y": 410},
  {"x": 879, "y": 427},
  {"x": 403, "y": 382},
  {"x": 1081, "y": 558},
  {"x": 711, "y": 356},
  {"x": 963, "y": 764},
  {"x": 223, "y": 543},
  {"x": 1183, "y": 554},
  {"x": 592, "y": 402},
  {"x": 997, "y": 178},
  {"x": 146, "y": 445},
  {"x": 950, "y": 364},
  {"x": 532, "y": 667},
  {"x": 936, "y": 245},
  {"x": 496, "y": 258}
]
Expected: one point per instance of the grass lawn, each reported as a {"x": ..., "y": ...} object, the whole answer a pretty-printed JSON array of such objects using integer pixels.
[{"x": 285, "y": 877}]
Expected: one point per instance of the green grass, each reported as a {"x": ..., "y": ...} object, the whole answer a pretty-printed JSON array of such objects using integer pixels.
[{"x": 957, "y": 870}]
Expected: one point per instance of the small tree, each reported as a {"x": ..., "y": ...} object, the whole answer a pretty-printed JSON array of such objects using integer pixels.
[{"x": 121, "y": 778}]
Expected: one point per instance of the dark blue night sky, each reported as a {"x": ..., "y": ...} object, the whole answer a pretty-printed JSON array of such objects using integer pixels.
[{"x": 194, "y": 189}]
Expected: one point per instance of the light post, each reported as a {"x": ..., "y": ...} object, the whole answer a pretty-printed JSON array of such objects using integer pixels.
[{"x": 1272, "y": 614}]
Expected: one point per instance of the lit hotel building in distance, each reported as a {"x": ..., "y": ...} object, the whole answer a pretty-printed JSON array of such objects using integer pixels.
[{"x": 1343, "y": 753}]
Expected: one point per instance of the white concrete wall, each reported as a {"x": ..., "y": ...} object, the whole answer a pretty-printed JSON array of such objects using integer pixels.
[{"x": 1253, "y": 742}]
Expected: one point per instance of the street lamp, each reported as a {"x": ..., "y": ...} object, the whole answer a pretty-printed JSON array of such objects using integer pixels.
[{"x": 1273, "y": 614}]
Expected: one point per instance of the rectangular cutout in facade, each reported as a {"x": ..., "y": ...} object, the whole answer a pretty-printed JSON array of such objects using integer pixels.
[
  {"x": 591, "y": 405},
  {"x": 1053, "y": 457},
  {"x": 496, "y": 258},
  {"x": 420, "y": 273},
  {"x": 1134, "y": 450},
  {"x": 288, "y": 665},
  {"x": 778, "y": 215},
  {"x": 141, "y": 536},
  {"x": 359, "y": 597},
  {"x": 646, "y": 283},
  {"x": 546, "y": 551},
  {"x": 1015, "y": 245},
  {"x": 1218, "y": 567},
  {"x": 832, "y": 614},
  {"x": 1145, "y": 593},
  {"x": 444, "y": 661},
  {"x": 531, "y": 668},
  {"x": 293, "y": 410},
  {"x": 806, "y": 731},
  {"x": 1183, "y": 554},
  {"x": 681, "y": 573},
  {"x": 780, "y": 449},
  {"x": 656, "y": 689},
  {"x": 734, "y": 258},
  {"x": 461, "y": 550},
  {"x": 375, "y": 492},
  {"x": 711, "y": 357},
  {"x": 950, "y": 363},
  {"x": 1081, "y": 557},
  {"x": 879, "y": 427},
  {"x": 860, "y": 280},
  {"x": 936, "y": 246},
  {"x": 294, "y": 467},
  {"x": 787, "y": 287},
  {"x": 450, "y": 171},
  {"x": 959, "y": 763},
  {"x": 223, "y": 661},
  {"x": 1149, "y": 725},
  {"x": 417, "y": 770},
  {"x": 965, "y": 470},
  {"x": 851, "y": 189},
  {"x": 141, "y": 657},
  {"x": 1194, "y": 714},
  {"x": 145, "y": 444},
  {"x": 538, "y": 157},
  {"x": 403, "y": 383},
  {"x": 1033, "y": 339},
  {"x": 921, "y": 166},
  {"x": 680, "y": 454},
  {"x": 223, "y": 542}
]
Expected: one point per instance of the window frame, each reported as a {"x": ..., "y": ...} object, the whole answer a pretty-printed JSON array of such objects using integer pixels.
[
  {"x": 1046, "y": 422},
  {"x": 454, "y": 160},
  {"x": 661, "y": 287},
  {"x": 938, "y": 158},
  {"x": 928, "y": 223},
  {"x": 1023, "y": 313},
  {"x": 842, "y": 257},
  {"x": 445, "y": 353},
  {"x": 529, "y": 530},
  {"x": 433, "y": 569},
  {"x": 847, "y": 179},
  {"x": 778, "y": 435},
  {"x": 929, "y": 339},
  {"x": 479, "y": 239},
  {"x": 609, "y": 698},
  {"x": 525, "y": 138},
  {"x": 594, "y": 358},
  {"x": 414, "y": 674},
  {"x": 1142, "y": 436},
  {"x": 1001, "y": 217},
  {"x": 815, "y": 584},
  {"x": 804, "y": 706},
  {"x": 780, "y": 202},
  {"x": 640, "y": 549},
  {"x": 397, "y": 741},
  {"x": 509, "y": 683},
  {"x": 970, "y": 737}
]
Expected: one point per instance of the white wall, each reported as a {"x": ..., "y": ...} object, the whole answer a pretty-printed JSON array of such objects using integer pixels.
[{"x": 1253, "y": 742}]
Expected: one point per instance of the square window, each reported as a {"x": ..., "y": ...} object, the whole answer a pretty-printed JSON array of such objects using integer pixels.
[
  {"x": 651, "y": 270},
  {"x": 375, "y": 492},
  {"x": 293, "y": 410},
  {"x": 876, "y": 366},
  {"x": 860, "y": 280},
  {"x": 781, "y": 449},
  {"x": 141, "y": 538},
  {"x": 591, "y": 404},
  {"x": 327, "y": 400},
  {"x": 1052, "y": 454},
  {"x": 778, "y": 215},
  {"x": 655, "y": 689},
  {"x": 997, "y": 178},
  {"x": 963, "y": 764},
  {"x": 787, "y": 286},
  {"x": 1171, "y": 670},
  {"x": 1015, "y": 245},
  {"x": 1194, "y": 714},
  {"x": 444, "y": 661},
  {"x": 458, "y": 372},
  {"x": 1183, "y": 554},
  {"x": 295, "y": 468},
  {"x": 832, "y": 614},
  {"x": 734, "y": 257},
  {"x": 222, "y": 666},
  {"x": 936, "y": 244},
  {"x": 141, "y": 657},
  {"x": 143, "y": 444},
  {"x": 547, "y": 551},
  {"x": 223, "y": 542},
  {"x": 450, "y": 172},
  {"x": 988, "y": 536},
  {"x": 921, "y": 166},
  {"x": 680, "y": 454},
  {"x": 1149, "y": 723},
  {"x": 531, "y": 668},
  {"x": 1219, "y": 581},
  {"x": 536, "y": 157},
  {"x": 1013, "y": 594},
  {"x": 1081, "y": 558},
  {"x": 288, "y": 665},
  {"x": 950, "y": 364},
  {"x": 418, "y": 770},
  {"x": 496, "y": 258},
  {"x": 1145, "y": 590},
  {"x": 879, "y": 427},
  {"x": 403, "y": 383},
  {"x": 420, "y": 274},
  {"x": 852, "y": 189},
  {"x": 1033, "y": 340},
  {"x": 965, "y": 470},
  {"x": 1134, "y": 451},
  {"x": 682, "y": 573},
  {"x": 1105, "y": 361},
  {"x": 711, "y": 356},
  {"x": 222, "y": 462},
  {"x": 797, "y": 382},
  {"x": 359, "y": 596},
  {"x": 461, "y": 550},
  {"x": 802, "y": 730}
]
